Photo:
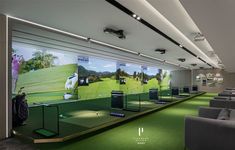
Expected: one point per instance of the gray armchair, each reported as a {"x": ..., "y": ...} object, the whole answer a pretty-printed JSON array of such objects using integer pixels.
[
  {"x": 222, "y": 103},
  {"x": 226, "y": 94},
  {"x": 206, "y": 132}
]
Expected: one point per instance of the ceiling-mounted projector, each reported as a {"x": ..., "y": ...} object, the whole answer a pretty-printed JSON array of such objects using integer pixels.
[
  {"x": 161, "y": 51},
  {"x": 118, "y": 33},
  {"x": 193, "y": 65},
  {"x": 198, "y": 37},
  {"x": 181, "y": 59}
]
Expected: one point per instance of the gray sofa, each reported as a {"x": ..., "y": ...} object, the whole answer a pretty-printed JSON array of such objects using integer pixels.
[
  {"x": 230, "y": 89},
  {"x": 224, "y": 97},
  {"x": 206, "y": 132},
  {"x": 227, "y": 94},
  {"x": 221, "y": 103}
]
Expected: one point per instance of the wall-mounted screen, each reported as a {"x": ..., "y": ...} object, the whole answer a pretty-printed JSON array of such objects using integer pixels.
[
  {"x": 155, "y": 78},
  {"x": 50, "y": 75},
  {"x": 47, "y": 75},
  {"x": 131, "y": 74},
  {"x": 98, "y": 76},
  {"x": 149, "y": 74}
]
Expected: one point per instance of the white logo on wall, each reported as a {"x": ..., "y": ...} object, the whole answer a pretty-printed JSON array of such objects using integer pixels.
[{"x": 141, "y": 139}]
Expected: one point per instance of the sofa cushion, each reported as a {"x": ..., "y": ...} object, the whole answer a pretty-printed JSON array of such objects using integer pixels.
[
  {"x": 224, "y": 114},
  {"x": 232, "y": 115}
]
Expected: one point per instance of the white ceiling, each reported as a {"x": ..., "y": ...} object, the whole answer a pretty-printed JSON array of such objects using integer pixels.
[
  {"x": 151, "y": 13},
  {"x": 215, "y": 18},
  {"x": 181, "y": 19},
  {"x": 90, "y": 17}
]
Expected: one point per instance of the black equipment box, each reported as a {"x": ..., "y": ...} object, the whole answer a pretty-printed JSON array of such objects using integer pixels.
[
  {"x": 153, "y": 94},
  {"x": 117, "y": 98},
  {"x": 175, "y": 91},
  {"x": 186, "y": 89}
]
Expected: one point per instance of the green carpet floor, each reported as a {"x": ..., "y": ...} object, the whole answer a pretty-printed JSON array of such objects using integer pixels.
[{"x": 163, "y": 130}]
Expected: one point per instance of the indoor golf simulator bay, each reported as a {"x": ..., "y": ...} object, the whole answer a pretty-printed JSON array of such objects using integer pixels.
[
  {"x": 61, "y": 93},
  {"x": 117, "y": 75},
  {"x": 69, "y": 93}
]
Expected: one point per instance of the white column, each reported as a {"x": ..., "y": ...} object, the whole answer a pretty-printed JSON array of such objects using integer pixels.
[{"x": 4, "y": 71}]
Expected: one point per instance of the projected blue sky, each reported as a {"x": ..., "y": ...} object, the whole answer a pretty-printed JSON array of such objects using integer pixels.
[
  {"x": 99, "y": 65},
  {"x": 27, "y": 52},
  {"x": 151, "y": 71},
  {"x": 131, "y": 68}
]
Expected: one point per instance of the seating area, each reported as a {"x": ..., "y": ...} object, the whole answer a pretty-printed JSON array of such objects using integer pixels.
[
  {"x": 224, "y": 99},
  {"x": 214, "y": 127}
]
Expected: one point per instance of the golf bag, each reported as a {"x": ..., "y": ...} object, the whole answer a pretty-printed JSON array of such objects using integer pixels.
[{"x": 20, "y": 110}]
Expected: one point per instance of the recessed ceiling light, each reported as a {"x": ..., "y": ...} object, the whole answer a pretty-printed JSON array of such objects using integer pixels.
[
  {"x": 134, "y": 15},
  {"x": 138, "y": 18}
]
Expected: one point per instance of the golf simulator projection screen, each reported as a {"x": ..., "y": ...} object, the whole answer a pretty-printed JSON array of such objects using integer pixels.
[
  {"x": 50, "y": 75},
  {"x": 129, "y": 78},
  {"x": 101, "y": 75},
  {"x": 149, "y": 78},
  {"x": 155, "y": 78},
  {"x": 46, "y": 74}
]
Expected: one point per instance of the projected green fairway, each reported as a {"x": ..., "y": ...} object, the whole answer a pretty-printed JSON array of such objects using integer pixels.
[
  {"x": 45, "y": 84},
  {"x": 153, "y": 83},
  {"x": 48, "y": 85},
  {"x": 132, "y": 86},
  {"x": 98, "y": 89}
]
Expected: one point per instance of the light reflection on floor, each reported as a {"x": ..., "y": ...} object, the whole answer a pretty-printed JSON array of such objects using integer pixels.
[
  {"x": 89, "y": 118},
  {"x": 89, "y": 113},
  {"x": 200, "y": 103}
]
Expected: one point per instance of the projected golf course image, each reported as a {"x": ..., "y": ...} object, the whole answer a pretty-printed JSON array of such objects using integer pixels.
[
  {"x": 51, "y": 76},
  {"x": 104, "y": 77},
  {"x": 101, "y": 74},
  {"x": 131, "y": 74},
  {"x": 46, "y": 75},
  {"x": 155, "y": 78}
]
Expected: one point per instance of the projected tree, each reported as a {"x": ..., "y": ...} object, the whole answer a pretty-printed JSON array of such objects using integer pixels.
[
  {"x": 40, "y": 60},
  {"x": 134, "y": 75}
]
